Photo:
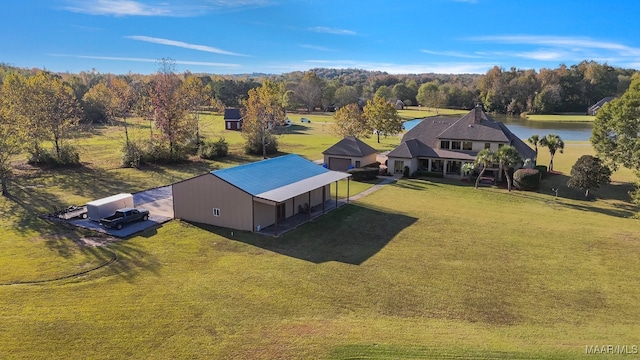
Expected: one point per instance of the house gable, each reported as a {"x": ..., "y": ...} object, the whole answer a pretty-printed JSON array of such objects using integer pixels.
[{"x": 350, "y": 146}]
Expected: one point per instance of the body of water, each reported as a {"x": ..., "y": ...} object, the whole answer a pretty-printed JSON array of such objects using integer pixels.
[{"x": 523, "y": 128}]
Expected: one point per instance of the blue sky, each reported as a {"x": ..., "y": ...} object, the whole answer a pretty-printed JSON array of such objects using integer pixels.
[{"x": 276, "y": 36}]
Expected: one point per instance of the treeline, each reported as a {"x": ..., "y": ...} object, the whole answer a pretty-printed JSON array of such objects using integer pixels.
[{"x": 513, "y": 91}]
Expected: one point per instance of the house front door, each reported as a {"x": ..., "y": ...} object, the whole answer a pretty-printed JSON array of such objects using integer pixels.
[{"x": 281, "y": 211}]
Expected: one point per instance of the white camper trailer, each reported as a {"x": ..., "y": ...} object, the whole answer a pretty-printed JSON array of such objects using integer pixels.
[{"x": 100, "y": 208}]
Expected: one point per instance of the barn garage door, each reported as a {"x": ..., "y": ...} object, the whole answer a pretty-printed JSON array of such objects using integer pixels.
[{"x": 339, "y": 164}]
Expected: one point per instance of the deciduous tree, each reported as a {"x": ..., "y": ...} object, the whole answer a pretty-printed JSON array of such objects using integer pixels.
[
  {"x": 169, "y": 107},
  {"x": 12, "y": 142},
  {"x": 262, "y": 112},
  {"x": 346, "y": 95},
  {"x": 195, "y": 96},
  {"x": 589, "y": 173},
  {"x": 383, "y": 117},
  {"x": 349, "y": 120},
  {"x": 309, "y": 91}
]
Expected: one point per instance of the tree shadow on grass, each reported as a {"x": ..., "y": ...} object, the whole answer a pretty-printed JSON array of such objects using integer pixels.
[
  {"x": 420, "y": 184},
  {"x": 351, "y": 234},
  {"x": 613, "y": 199}
]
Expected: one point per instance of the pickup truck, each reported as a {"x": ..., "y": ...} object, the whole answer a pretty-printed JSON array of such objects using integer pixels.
[{"x": 124, "y": 216}]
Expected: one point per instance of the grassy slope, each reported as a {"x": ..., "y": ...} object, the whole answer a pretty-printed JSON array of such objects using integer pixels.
[{"x": 419, "y": 269}]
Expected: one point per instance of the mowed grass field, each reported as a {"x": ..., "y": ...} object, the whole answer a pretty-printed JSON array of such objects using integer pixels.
[
  {"x": 419, "y": 269},
  {"x": 562, "y": 118}
]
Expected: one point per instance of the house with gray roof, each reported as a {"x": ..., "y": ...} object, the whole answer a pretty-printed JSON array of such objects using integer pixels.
[
  {"x": 259, "y": 197},
  {"x": 348, "y": 153},
  {"x": 443, "y": 144},
  {"x": 593, "y": 109}
]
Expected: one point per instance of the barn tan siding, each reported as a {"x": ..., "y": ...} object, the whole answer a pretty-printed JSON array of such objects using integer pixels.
[
  {"x": 195, "y": 199},
  {"x": 263, "y": 214}
]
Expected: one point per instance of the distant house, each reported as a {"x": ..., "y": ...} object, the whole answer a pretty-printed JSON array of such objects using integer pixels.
[
  {"x": 593, "y": 109},
  {"x": 258, "y": 195},
  {"x": 349, "y": 152},
  {"x": 232, "y": 119},
  {"x": 399, "y": 105},
  {"x": 443, "y": 144}
]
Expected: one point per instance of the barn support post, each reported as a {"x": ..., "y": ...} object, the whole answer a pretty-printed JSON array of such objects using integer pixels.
[
  {"x": 309, "y": 193},
  {"x": 336, "y": 194},
  {"x": 324, "y": 197},
  {"x": 348, "y": 190},
  {"x": 275, "y": 213}
]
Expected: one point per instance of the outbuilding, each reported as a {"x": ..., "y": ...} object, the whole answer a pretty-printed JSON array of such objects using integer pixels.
[
  {"x": 349, "y": 152},
  {"x": 259, "y": 195},
  {"x": 232, "y": 119}
]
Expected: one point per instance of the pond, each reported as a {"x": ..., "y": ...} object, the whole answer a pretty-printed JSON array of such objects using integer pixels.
[{"x": 523, "y": 128}]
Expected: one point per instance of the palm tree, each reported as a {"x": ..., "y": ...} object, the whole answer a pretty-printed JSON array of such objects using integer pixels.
[
  {"x": 508, "y": 157},
  {"x": 554, "y": 143},
  {"x": 535, "y": 141},
  {"x": 484, "y": 158}
]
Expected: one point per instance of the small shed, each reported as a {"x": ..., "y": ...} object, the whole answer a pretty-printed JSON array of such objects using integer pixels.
[
  {"x": 349, "y": 152},
  {"x": 232, "y": 119},
  {"x": 100, "y": 208}
]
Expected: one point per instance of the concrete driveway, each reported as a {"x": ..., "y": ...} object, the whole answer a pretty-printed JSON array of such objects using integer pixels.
[{"x": 158, "y": 201}]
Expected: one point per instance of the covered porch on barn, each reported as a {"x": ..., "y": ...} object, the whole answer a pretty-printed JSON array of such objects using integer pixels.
[{"x": 280, "y": 210}]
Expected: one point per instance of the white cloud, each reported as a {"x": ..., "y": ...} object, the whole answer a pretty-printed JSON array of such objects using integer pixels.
[
  {"x": 316, "y": 47},
  {"x": 328, "y": 30},
  {"x": 181, "y": 44},
  {"x": 570, "y": 43},
  {"x": 146, "y": 60},
  {"x": 158, "y": 8},
  {"x": 453, "y": 54},
  {"x": 542, "y": 55}
]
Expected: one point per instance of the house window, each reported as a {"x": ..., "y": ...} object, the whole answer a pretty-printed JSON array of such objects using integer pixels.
[
  {"x": 216, "y": 212},
  {"x": 444, "y": 144},
  {"x": 467, "y": 145},
  {"x": 455, "y": 145},
  {"x": 357, "y": 164},
  {"x": 487, "y": 145}
]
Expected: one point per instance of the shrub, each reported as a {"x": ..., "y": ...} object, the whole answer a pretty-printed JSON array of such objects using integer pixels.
[
  {"x": 131, "y": 155},
  {"x": 423, "y": 173},
  {"x": 151, "y": 152},
  {"x": 362, "y": 174},
  {"x": 406, "y": 172},
  {"x": 254, "y": 146},
  {"x": 543, "y": 170},
  {"x": 526, "y": 179},
  {"x": 68, "y": 156},
  {"x": 214, "y": 149},
  {"x": 373, "y": 165}
]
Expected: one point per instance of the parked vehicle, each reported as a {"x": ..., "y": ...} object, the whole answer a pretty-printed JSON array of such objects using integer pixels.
[
  {"x": 124, "y": 216},
  {"x": 73, "y": 212}
]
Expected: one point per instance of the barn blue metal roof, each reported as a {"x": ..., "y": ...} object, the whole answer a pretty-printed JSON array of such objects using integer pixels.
[{"x": 270, "y": 174}]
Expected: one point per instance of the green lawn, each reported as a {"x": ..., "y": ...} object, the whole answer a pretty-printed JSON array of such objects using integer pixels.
[
  {"x": 419, "y": 269},
  {"x": 562, "y": 118}
]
